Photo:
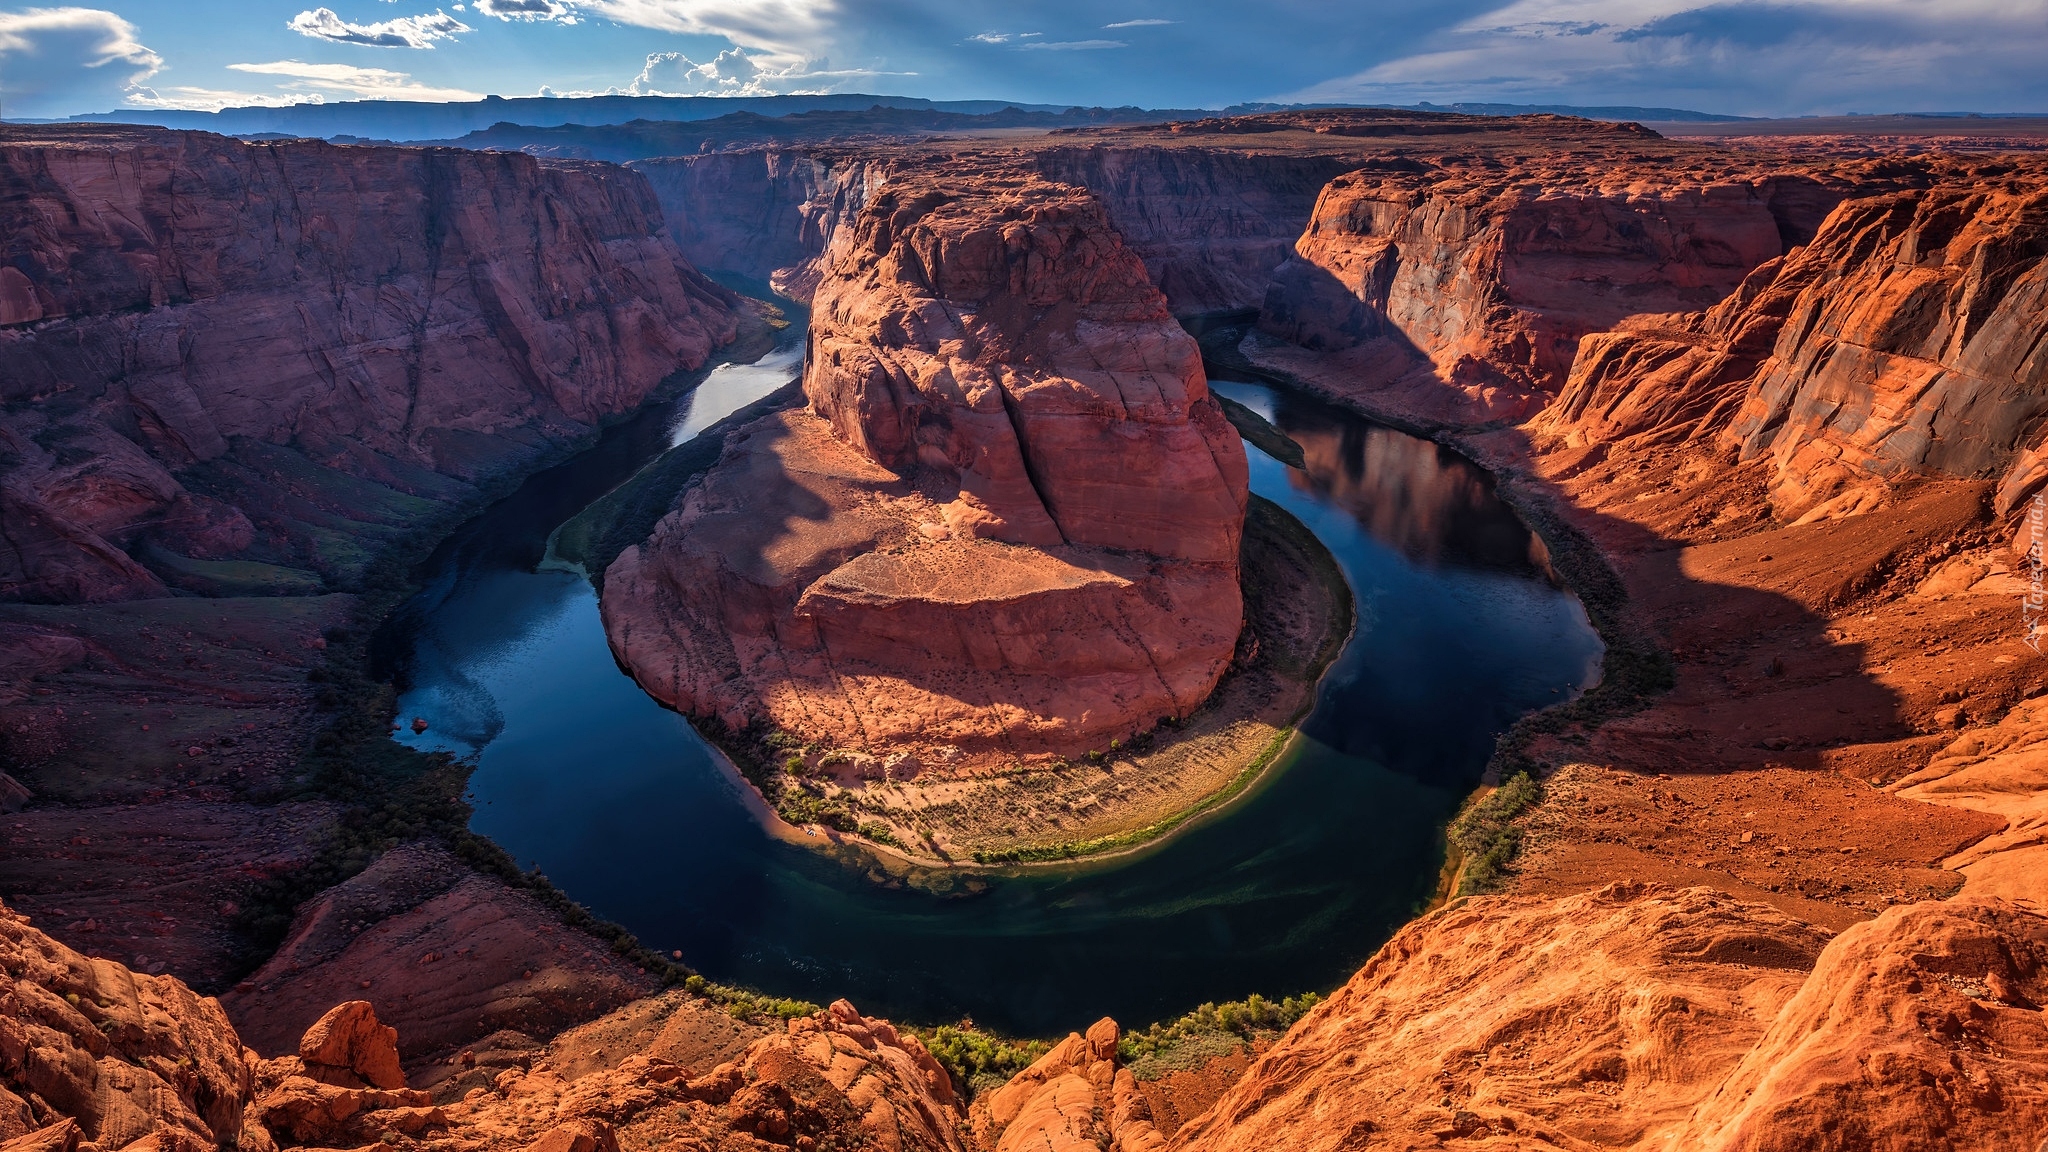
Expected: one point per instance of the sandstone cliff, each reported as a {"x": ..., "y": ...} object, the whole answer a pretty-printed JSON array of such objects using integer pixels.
[
  {"x": 1493, "y": 282},
  {"x": 1906, "y": 340},
  {"x": 195, "y": 331},
  {"x": 1007, "y": 525},
  {"x": 1210, "y": 225}
]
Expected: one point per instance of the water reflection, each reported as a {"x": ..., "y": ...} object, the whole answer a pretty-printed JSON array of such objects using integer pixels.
[{"x": 621, "y": 804}]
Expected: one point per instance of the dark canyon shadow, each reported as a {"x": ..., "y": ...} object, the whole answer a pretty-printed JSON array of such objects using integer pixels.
[{"x": 1290, "y": 888}]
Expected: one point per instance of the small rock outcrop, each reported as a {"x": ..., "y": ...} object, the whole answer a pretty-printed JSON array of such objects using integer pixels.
[
  {"x": 1076, "y": 1096},
  {"x": 1007, "y": 524}
]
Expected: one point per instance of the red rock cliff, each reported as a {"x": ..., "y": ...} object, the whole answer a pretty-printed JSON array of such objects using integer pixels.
[
  {"x": 1909, "y": 338},
  {"x": 1210, "y": 225},
  {"x": 1493, "y": 277},
  {"x": 1007, "y": 525},
  {"x": 176, "y": 302}
]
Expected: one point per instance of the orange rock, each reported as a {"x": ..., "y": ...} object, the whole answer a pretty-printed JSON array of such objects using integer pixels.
[
  {"x": 1008, "y": 525},
  {"x": 1649, "y": 1018},
  {"x": 349, "y": 1047},
  {"x": 122, "y": 1054}
]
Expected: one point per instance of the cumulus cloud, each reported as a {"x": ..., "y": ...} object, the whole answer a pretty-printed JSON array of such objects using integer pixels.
[
  {"x": 347, "y": 80},
  {"x": 54, "y": 61},
  {"x": 404, "y": 32},
  {"x": 736, "y": 72},
  {"x": 1755, "y": 57}
]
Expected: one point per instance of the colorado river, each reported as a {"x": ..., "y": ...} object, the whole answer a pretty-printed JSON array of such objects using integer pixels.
[{"x": 621, "y": 804}]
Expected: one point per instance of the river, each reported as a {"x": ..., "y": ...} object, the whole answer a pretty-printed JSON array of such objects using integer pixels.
[{"x": 1460, "y": 630}]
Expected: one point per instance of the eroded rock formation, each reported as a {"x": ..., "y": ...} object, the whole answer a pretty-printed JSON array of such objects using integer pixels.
[
  {"x": 1494, "y": 283},
  {"x": 1008, "y": 523},
  {"x": 1907, "y": 339},
  {"x": 1645, "y": 1017},
  {"x": 193, "y": 330}
]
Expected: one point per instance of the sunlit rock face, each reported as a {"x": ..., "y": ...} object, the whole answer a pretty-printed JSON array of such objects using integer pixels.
[
  {"x": 178, "y": 301},
  {"x": 1006, "y": 524}
]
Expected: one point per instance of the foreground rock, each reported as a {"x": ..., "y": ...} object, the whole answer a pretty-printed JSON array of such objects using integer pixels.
[
  {"x": 1655, "y": 1018},
  {"x": 92, "y": 1052},
  {"x": 1007, "y": 525}
]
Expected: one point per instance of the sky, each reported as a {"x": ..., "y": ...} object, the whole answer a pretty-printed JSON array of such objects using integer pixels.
[{"x": 1745, "y": 58}]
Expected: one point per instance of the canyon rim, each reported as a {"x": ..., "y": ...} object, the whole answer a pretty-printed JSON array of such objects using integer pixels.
[{"x": 979, "y": 588}]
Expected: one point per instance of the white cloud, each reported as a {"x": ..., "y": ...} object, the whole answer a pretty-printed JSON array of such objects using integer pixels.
[
  {"x": 1076, "y": 45},
  {"x": 215, "y": 99},
  {"x": 1744, "y": 56},
  {"x": 404, "y": 32},
  {"x": 528, "y": 10},
  {"x": 735, "y": 72},
  {"x": 786, "y": 32},
  {"x": 351, "y": 81},
  {"x": 1139, "y": 23},
  {"x": 57, "y": 61}
]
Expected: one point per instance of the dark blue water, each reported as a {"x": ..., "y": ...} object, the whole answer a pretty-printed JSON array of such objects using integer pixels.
[{"x": 1289, "y": 889}]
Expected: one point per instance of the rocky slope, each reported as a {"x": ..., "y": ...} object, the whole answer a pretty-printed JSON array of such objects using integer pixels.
[
  {"x": 180, "y": 311},
  {"x": 1007, "y": 525},
  {"x": 1640, "y": 1017},
  {"x": 242, "y": 371},
  {"x": 93, "y": 1055},
  {"x": 1632, "y": 1017},
  {"x": 1493, "y": 281}
]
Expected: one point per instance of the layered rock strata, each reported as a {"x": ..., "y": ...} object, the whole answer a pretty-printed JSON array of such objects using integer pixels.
[
  {"x": 1493, "y": 283},
  {"x": 1007, "y": 523},
  {"x": 193, "y": 330},
  {"x": 1209, "y": 224},
  {"x": 1907, "y": 339},
  {"x": 1645, "y": 1017}
]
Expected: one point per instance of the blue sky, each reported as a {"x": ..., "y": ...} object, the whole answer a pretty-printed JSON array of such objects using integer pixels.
[{"x": 1760, "y": 58}]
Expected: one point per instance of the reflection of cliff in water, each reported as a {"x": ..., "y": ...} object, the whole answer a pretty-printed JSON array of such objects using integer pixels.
[{"x": 1417, "y": 497}]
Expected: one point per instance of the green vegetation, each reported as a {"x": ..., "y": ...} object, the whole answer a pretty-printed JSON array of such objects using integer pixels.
[
  {"x": 1072, "y": 849},
  {"x": 1485, "y": 835},
  {"x": 1208, "y": 1032},
  {"x": 978, "y": 1060},
  {"x": 230, "y": 577}
]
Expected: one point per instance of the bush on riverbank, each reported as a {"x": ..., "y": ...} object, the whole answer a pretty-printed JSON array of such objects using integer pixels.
[
  {"x": 978, "y": 1061},
  {"x": 1208, "y": 1032},
  {"x": 1486, "y": 834}
]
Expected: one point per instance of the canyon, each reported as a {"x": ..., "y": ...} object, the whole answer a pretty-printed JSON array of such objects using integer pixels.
[{"x": 1773, "y": 884}]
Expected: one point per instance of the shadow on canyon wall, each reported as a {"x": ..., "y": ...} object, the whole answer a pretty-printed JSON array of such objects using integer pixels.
[{"x": 1714, "y": 663}]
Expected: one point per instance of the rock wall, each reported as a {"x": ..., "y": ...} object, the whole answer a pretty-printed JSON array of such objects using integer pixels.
[
  {"x": 95, "y": 1056},
  {"x": 1494, "y": 276},
  {"x": 1908, "y": 338},
  {"x": 174, "y": 302},
  {"x": 1007, "y": 525},
  {"x": 1210, "y": 225}
]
